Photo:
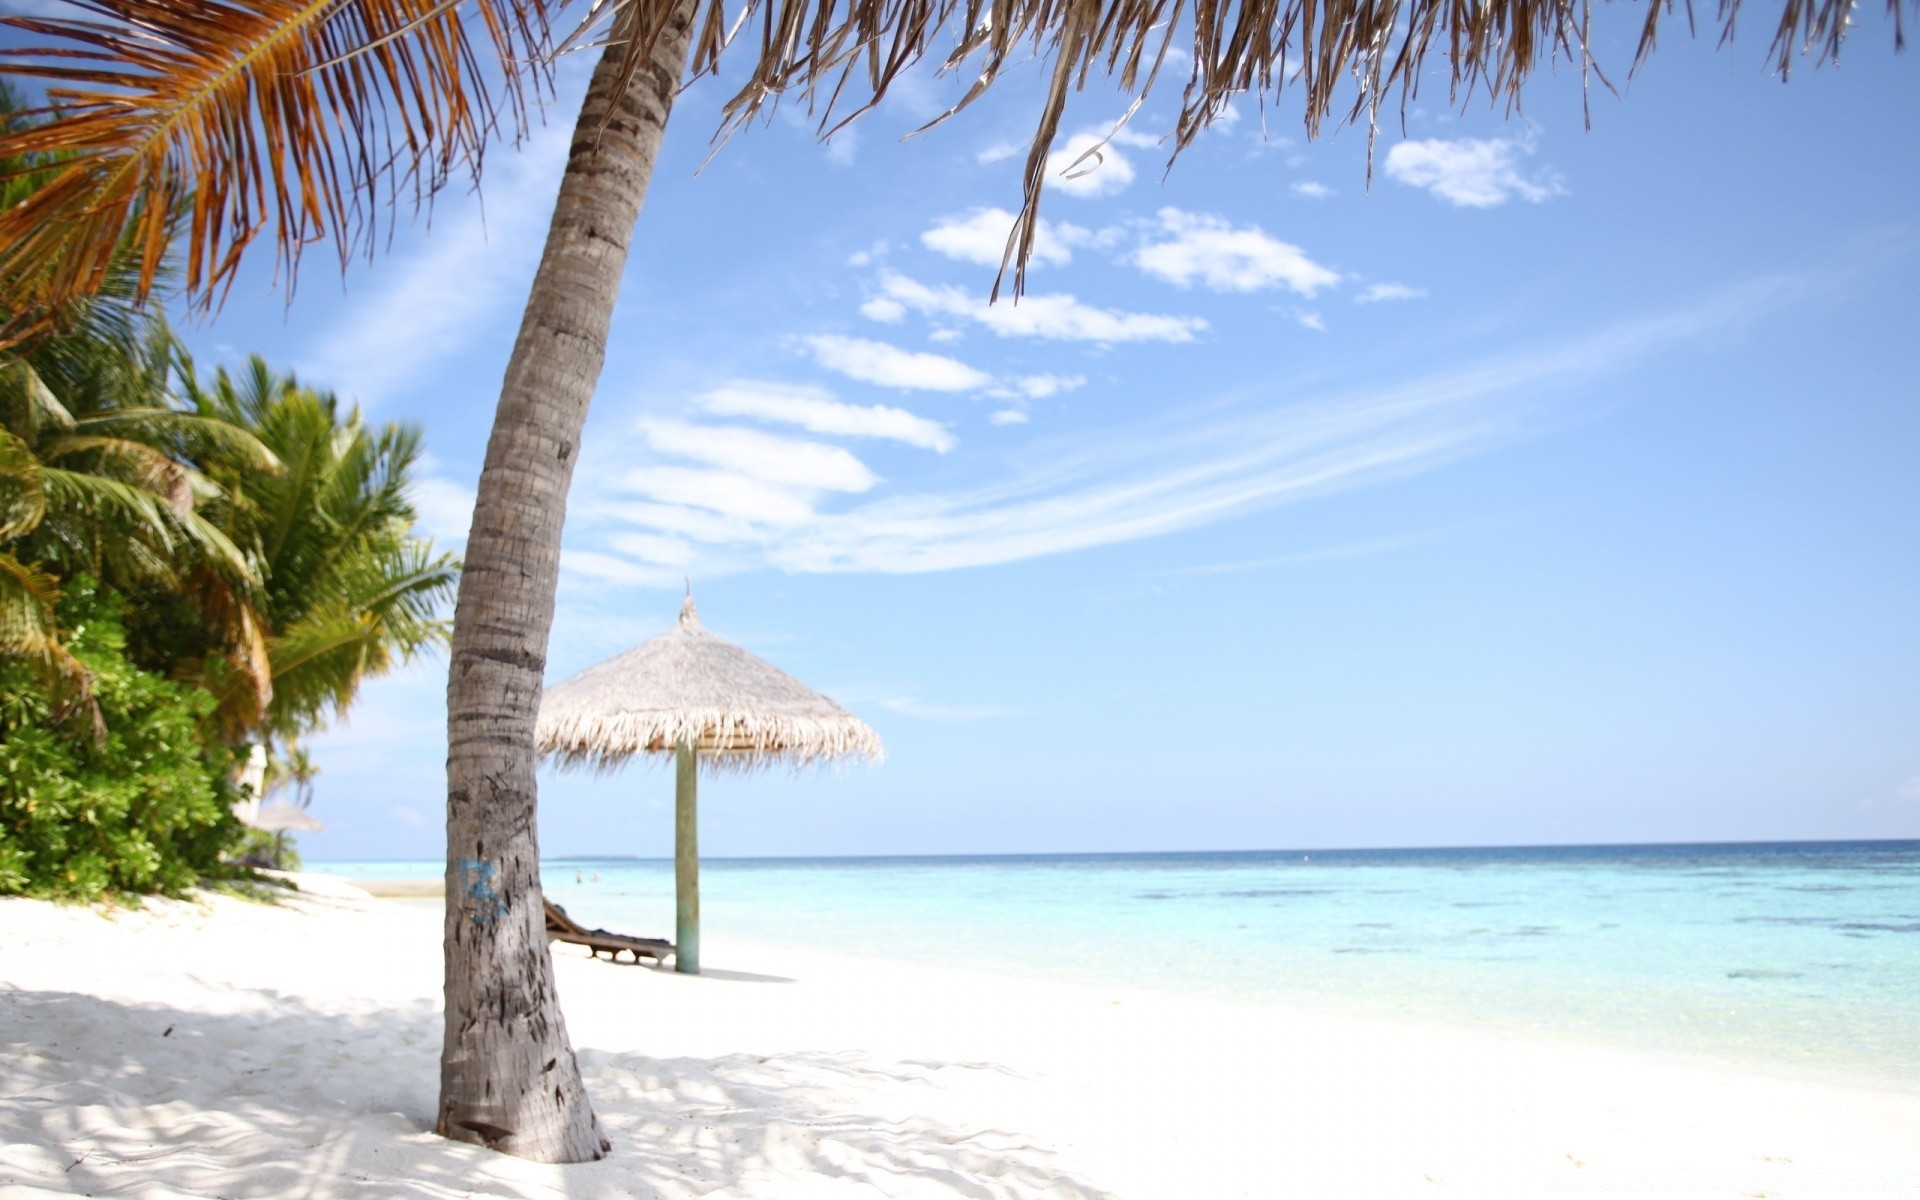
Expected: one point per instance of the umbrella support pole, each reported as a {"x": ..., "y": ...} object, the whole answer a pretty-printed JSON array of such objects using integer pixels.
[{"x": 686, "y": 861}]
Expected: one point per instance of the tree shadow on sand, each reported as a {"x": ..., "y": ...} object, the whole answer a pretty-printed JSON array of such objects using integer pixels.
[{"x": 277, "y": 1098}]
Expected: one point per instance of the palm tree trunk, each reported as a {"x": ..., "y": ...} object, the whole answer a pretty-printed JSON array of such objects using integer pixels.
[{"x": 508, "y": 1078}]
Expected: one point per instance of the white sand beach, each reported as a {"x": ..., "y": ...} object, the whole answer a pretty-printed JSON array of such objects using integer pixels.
[{"x": 231, "y": 1049}]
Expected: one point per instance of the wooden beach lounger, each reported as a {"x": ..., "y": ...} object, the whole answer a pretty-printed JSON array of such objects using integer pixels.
[{"x": 563, "y": 928}]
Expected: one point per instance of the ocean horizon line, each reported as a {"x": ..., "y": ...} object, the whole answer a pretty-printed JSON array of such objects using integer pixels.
[{"x": 1760, "y": 845}]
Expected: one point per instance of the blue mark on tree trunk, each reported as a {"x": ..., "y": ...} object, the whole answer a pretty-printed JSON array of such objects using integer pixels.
[{"x": 484, "y": 905}]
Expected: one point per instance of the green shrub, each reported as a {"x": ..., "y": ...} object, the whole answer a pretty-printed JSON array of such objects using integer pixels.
[{"x": 146, "y": 808}]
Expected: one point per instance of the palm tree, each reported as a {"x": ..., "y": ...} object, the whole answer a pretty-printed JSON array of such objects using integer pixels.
[
  {"x": 508, "y": 1077},
  {"x": 292, "y": 768},
  {"x": 105, "y": 483},
  {"x": 348, "y": 592},
  {"x": 98, "y": 466}
]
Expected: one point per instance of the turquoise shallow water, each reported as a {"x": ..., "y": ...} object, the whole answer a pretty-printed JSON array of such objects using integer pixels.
[{"x": 1795, "y": 956}]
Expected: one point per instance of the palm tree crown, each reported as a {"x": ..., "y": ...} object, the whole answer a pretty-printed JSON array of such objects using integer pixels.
[{"x": 348, "y": 590}]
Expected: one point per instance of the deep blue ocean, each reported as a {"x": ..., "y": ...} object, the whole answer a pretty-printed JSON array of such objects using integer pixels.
[{"x": 1796, "y": 956}]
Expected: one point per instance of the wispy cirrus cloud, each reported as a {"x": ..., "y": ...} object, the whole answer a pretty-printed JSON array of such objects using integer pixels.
[
  {"x": 890, "y": 366},
  {"x": 816, "y": 411},
  {"x": 1187, "y": 468},
  {"x": 747, "y": 507},
  {"x": 793, "y": 462},
  {"x": 1381, "y": 293},
  {"x": 429, "y": 305},
  {"x": 1058, "y": 316},
  {"x": 615, "y": 569}
]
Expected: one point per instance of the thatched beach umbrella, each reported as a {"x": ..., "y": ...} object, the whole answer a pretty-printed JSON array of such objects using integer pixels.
[
  {"x": 281, "y": 817},
  {"x": 707, "y": 702}
]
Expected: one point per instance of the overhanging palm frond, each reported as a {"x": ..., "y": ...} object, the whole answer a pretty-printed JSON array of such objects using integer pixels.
[
  {"x": 311, "y": 116},
  {"x": 114, "y": 503},
  {"x": 23, "y": 488},
  {"x": 28, "y": 630},
  {"x": 383, "y": 615},
  {"x": 1330, "y": 50},
  {"x": 307, "y": 118},
  {"x": 196, "y": 436},
  {"x": 27, "y": 404}
]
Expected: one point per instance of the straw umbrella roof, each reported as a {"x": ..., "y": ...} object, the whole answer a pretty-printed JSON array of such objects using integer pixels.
[
  {"x": 690, "y": 686},
  {"x": 281, "y": 817}
]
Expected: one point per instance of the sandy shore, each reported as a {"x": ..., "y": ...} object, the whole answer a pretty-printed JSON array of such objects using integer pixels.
[{"x": 233, "y": 1049}]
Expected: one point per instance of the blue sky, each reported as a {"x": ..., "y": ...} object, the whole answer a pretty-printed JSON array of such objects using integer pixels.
[{"x": 1558, "y": 487}]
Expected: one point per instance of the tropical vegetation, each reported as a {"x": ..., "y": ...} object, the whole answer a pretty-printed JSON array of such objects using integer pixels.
[
  {"x": 188, "y": 568},
  {"x": 142, "y": 803},
  {"x": 304, "y": 117}
]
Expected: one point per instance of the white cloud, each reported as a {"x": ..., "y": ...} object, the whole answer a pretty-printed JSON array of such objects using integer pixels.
[
  {"x": 884, "y": 310},
  {"x": 443, "y": 508},
  {"x": 1058, "y": 316},
  {"x": 998, "y": 152},
  {"x": 946, "y": 335},
  {"x": 844, "y": 147},
  {"x": 1311, "y": 190},
  {"x": 1039, "y": 387},
  {"x": 981, "y": 237},
  {"x": 753, "y": 501},
  {"x": 890, "y": 366},
  {"x": 1308, "y": 319},
  {"x": 654, "y": 548},
  {"x": 695, "y": 523},
  {"x": 1219, "y": 457},
  {"x": 1128, "y": 136},
  {"x": 424, "y": 307},
  {"x": 1105, "y": 172},
  {"x": 608, "y": 568},
  {"x": 1382, "y": 292},
  {"x": 1206, "y": 249},
  {"x": 764, "y": 456},
  {"x": 1008, "y": 416},
  {"x": 1470, "y": 172},
  {"x": 816, "y": 411}
]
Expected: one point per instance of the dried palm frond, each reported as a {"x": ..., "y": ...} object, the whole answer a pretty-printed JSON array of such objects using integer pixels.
[
  {"x": 1369, "y": 50},
  {"x": 306, "y": 117},
  {"x": 283, "y": 111}
]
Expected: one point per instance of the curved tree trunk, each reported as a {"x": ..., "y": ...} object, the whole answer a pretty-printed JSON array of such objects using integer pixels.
[{"x": 508, "y": 1078}]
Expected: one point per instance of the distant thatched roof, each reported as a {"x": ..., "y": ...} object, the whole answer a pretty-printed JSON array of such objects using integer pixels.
[
  {"x": 281, "y": 817},
  {"x": 687, "y": 685}
]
